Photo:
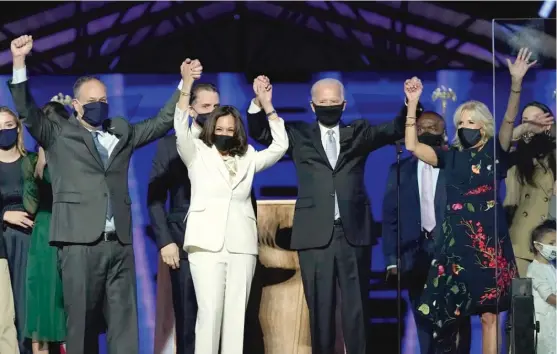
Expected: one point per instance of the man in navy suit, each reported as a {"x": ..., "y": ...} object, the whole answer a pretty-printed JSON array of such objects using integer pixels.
[{"x": 423, "y": 200}]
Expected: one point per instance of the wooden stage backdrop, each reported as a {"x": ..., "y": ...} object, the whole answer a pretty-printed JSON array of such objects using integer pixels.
[{"x": 277, "y": 319}]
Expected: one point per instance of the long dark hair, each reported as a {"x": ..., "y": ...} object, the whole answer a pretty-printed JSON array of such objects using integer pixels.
[
  {"x": 55, "y": 109},
  {"x": 208, "y": 133},
  {"x": 540, "y": 147}
]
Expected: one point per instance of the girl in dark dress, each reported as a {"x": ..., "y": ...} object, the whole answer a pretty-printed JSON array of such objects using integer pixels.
[
  {"x": 46, "y": 319},
  {"x": 474, "y": 262},
  {"x": 17, "y": 224}
]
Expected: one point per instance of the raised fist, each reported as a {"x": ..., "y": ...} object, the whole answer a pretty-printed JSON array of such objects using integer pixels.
[
  {"x": 21, "y": 46},
  {"x": 191, "y": 70},
  {"x": 413, "y": 89}
]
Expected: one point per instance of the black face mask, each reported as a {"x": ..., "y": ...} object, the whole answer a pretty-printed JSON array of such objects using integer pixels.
[
  {"x": 8, "y": 138},
  {"x": 202, "y": 118},
  {"x": 225, "y": 142},
  {"x": 328, "y": 115},
  {"x": 431, "y": 139},
  {"x": 95, "y": 113},
  {"x": 469, "y": 137}
]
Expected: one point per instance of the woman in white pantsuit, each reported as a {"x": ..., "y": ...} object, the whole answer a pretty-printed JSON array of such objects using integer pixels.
[{"x": 221, "y": 233}]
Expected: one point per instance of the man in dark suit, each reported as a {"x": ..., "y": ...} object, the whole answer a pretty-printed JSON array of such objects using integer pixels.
[
  {"x": 423, "y": 200},
  {"x": 169, "y": 178},
  {"x": 332, "y": 229},
  {"x": 89, "y": 158}
]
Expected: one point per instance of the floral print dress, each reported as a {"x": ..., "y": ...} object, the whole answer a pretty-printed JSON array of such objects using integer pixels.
[{"x": 474, "y": 261}]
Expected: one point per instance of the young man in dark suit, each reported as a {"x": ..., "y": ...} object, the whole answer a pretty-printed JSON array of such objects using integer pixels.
[
  {"x": 169, "y": 180},
  {"x": 422, "y": 209},
  {"x": 332, "y": 229}
]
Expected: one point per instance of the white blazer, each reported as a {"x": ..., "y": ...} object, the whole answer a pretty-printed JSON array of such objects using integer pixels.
[{"x": 221, "y": 213}]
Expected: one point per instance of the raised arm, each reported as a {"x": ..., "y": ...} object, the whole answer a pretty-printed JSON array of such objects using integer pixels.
[
  {"x": 43, "y": 130},
  {"x": 413, "y": 89},
  {"x": 377, "y": 136},
  {"x": 258, "y": 124},
  {"x": 184, "y": 137},
  {"x": 517, "y": 70},
  {"x": 156, "y": 127},
  {"x": 271, "y": 155}
]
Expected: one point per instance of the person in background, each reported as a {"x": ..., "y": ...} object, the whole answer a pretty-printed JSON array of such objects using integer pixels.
[
  {"x": 333, "y": 224},
  {"x": 45, "y": 323},
  {"x": 168, "y": 180},
  {"x": 422, "y": 210},
  {"x": 473, "y": 264},
  {"x": 544, "y": 283},
  {"x": 17, "y": 223},
  {"x": 531, "y": 179},
  {"x": 8, "y": 332},
  {"x": 221, "y": 233}
]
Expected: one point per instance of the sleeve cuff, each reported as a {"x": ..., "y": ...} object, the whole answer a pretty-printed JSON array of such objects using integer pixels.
[
  {"x": 391, "y": 267},
  {"x": 253, "y": 108},
  {"x": 19, "y": 75},
  {"x": 180, "y": 85}
]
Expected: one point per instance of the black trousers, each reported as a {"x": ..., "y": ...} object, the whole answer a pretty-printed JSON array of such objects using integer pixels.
[
  {"x": 183, "y": 300},
  {"x": 322, "y": 269},
  {"x": 97, "y": 280}
]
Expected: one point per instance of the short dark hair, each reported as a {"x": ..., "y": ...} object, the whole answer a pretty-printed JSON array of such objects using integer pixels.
[
  {"x": 431, "y": 113},
  {"x": 80, "y": 81},
  {"x": 540, "y": 230},
  {"x": 55, "y": 109},
  {"x": 201, "y": 87},
  {"x": 208, "y": 133}
]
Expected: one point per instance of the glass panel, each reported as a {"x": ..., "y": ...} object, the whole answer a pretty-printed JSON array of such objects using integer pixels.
[{"x": 527, "y": 171}]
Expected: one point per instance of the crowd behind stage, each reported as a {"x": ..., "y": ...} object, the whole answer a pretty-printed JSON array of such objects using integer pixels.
[{"x": 67, "y": 264}]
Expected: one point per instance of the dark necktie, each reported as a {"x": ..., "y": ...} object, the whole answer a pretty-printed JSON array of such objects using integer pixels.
[{"x": 103, "y": 153}]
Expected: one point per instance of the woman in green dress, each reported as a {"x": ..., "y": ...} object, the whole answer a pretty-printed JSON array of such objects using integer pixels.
[{"x": 45, "y": 321}]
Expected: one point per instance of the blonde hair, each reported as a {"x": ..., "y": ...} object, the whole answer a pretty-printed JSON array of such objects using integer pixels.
[
  {"x": 20, "y": 145},
  {"x": 481, "y": 114}
]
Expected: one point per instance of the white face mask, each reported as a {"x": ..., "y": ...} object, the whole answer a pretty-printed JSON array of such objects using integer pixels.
[{"x": 548, "y": 252}]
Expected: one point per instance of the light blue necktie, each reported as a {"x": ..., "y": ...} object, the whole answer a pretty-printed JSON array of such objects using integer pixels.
[
  {"x": 103, "y": 153},
  {"x": 332, "y": 155}
]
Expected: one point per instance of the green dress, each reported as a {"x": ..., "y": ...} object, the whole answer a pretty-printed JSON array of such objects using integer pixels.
[{"x": 45, "y": 319}]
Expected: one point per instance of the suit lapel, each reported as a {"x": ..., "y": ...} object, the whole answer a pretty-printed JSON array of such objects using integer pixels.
[
  {"x": 217, "y": 161},
  {"x": 243, "y": 165},
  {"x": 121, "y": 129},
  {"x": 318, "y": 144},
  {"x": 346, "y": 137},
  {"x": 87, "y": 137}
]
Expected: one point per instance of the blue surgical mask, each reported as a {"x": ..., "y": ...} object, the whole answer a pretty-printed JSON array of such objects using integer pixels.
[
  {"x": 95, "y": 113},
  {"x": 8, "y": 138}
]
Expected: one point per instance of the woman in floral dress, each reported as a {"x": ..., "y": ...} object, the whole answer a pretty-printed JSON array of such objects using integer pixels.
[{"x": 474, "y": 262}]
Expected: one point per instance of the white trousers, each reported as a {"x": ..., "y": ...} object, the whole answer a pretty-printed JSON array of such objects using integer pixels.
[
  {"x": 8, "y": 333},
  {"x": 222, "y": 283}
]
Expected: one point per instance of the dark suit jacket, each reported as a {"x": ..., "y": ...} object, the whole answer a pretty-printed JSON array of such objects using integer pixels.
[
  {"x": 80, "y": 183},
  {"x": 410, "y": 215},
  {"x": 318, "y": 181},
  {"x": 169, "y": 178}
]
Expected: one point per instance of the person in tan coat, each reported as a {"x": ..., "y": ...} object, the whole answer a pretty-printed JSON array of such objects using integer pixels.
[{"x": 530, "y": 182}]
